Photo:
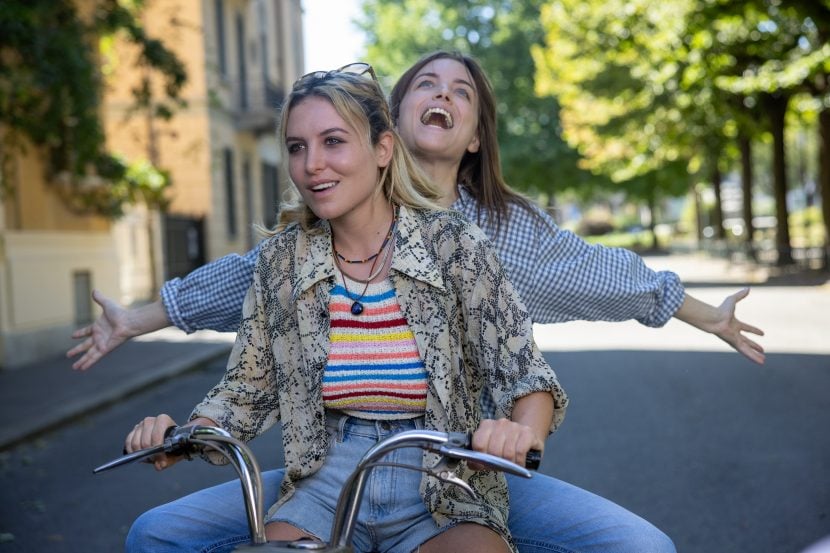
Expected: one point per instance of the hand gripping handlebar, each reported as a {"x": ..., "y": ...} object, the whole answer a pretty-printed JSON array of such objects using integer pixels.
[{"x": 452, "y": 447}]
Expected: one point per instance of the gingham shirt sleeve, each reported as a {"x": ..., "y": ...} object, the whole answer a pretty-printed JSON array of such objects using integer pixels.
[
  {"x": 575, "y": 280},
  {"x": 560, "y": 277},
  {"x": 211, "y": 296}
]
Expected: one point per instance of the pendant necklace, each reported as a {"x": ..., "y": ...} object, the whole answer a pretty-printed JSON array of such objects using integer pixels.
[{"x": 357, "y": 307}]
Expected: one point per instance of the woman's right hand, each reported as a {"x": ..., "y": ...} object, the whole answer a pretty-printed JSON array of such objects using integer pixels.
[{"x": 150, "y": 433}]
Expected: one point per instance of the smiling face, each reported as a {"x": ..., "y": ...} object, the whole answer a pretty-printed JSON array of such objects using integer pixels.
[
  {"x": 438, "y": 114},
  {"x": 331, "y": 163}
]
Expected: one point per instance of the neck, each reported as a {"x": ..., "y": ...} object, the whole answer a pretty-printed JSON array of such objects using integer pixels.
[
  {"x": 360, "y": 237},
  {"x": 444, "y": 174}
]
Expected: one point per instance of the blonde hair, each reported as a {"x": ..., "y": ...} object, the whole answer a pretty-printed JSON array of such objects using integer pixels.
[{"x": 361, "y": 103}]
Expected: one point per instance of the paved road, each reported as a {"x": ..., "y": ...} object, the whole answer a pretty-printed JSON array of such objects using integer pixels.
[
  {"x": 53, "y": 503},
  {"x": 722, "y": 454}
]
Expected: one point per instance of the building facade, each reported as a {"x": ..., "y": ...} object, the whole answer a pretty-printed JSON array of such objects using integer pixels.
[{"x": 220, "y": 149}]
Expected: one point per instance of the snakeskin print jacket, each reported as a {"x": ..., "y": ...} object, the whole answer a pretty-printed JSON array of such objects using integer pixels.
[{"x": 471, "y": 328}]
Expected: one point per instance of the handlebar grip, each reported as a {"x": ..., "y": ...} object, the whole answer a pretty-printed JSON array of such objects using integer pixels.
[
  {"x": 465, "y": 439},
  {"x": 533, "y": 459}
]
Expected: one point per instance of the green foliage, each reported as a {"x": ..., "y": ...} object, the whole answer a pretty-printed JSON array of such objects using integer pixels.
[
  {"x": 114, "y": 183},
  {"x": 50, "y": 93},
  {"x": 661, "y": 90},
  {"x": 500, "y": 35},
  {"x": 616, "y": 68}
]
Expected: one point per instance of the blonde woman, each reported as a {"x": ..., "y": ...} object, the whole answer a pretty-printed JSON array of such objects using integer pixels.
[{"x": 373, "y": 311}]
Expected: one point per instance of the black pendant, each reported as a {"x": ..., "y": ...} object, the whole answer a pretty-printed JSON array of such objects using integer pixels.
[{"x": 357, "y": 308}]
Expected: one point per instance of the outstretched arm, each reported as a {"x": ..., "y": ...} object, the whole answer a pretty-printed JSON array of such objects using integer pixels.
[
  {"x": 210, "y": 297},
  {"x": 722, "y": 322},
  {"x": 113, "y": 327},
  {"x": 574, "y": 280}
]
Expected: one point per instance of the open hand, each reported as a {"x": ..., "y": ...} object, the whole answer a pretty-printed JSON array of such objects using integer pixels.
[
  {"x": 732, "y": 331},
  {"x": 110, "y": 330}
]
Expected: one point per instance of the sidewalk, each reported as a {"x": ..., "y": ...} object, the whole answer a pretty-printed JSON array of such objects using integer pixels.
[{"x": 44, "y": 395}]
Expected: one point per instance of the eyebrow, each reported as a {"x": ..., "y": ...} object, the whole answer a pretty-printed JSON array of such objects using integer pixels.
[
  {"x": 435, "y": 76},
  {"x": 321, "y": 133}
]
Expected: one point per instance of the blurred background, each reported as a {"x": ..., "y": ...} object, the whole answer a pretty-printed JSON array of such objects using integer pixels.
[
  {"x": 137, "y": 143},
  {"x": 137, "y": 135}
]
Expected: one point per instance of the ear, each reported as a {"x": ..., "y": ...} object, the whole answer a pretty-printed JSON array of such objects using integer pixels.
[
  {"x": 384, "y": 149},
  {"x": 474, "y": 144}
]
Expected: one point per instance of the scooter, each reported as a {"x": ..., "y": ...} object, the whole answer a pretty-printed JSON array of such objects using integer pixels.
[{"x": 452, "y": 447}]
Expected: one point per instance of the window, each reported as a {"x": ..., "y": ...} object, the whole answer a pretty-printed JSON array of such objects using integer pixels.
[
  {"x": 219, "y": 12},
  {"x": 247, "y": 187},
  {"x": 241, "y": 65},
  {"x": 230, "y": 193},
  {"x": 82, "y": 287},
  {"x": 270, "y": 194}
]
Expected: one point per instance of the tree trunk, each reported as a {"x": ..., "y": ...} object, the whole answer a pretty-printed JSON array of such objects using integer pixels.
[
  {"x": 776, "y": 107},
  {"x": 720, "y": 232},
  {"x": 698, "y": 216},
  {"x": 652, "y": 225},
  {"x": 745, "y": 145},
  {"x": 824, "y": 179}
]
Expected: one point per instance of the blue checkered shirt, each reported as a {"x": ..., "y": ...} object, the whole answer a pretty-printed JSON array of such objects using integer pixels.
[{"x": 559, "y": 276}]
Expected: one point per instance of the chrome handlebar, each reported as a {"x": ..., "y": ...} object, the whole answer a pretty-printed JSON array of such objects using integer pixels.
[{"x": 452, "y": 447}]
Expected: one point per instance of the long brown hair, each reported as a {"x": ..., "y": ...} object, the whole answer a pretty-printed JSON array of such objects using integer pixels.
[{"x": 479, "y": 171}]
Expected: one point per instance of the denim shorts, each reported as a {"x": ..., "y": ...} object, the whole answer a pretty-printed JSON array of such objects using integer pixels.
[{"x": 392, "y": 514}]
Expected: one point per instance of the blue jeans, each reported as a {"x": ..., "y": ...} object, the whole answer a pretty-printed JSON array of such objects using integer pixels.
[
  {"x": 392, "y": 515},
  {"x": 546, "y": 515}
]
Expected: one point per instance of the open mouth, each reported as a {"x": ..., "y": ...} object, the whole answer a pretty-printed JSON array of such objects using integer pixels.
[
  {"x": 437, "y": 117},
  {"x": 323, "y": 186}
]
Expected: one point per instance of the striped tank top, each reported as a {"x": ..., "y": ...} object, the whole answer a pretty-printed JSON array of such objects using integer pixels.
[{"x": 374, "y": 370}]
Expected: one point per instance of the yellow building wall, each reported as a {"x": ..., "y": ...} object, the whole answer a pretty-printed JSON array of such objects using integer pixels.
[
  {"x": 35, "y": 205},
  {"x": 43, "y": 248},
  {"x": 182, "y": 145}
]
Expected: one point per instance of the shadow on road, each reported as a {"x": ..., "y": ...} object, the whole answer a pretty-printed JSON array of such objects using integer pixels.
[{"x": 721, "y": 454}]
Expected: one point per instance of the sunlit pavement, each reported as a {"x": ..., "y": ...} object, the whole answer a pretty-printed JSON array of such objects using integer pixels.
[{"x": 795, "y": 318}]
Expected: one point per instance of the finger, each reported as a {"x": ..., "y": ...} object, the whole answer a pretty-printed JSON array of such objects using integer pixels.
[
  {"x": 496, "y": 445},
  {"x": 753, "y": 352},
  {"x": 143, "y": 434},
  {"x": 98, "y": 297},
  {"x": 80, "y": 348},
  {"x": 754, "y": 345},
  {"x": 130, "y": 440},
  {"x": 752, "y": 329},
  {"x": 88, "y": 359},
  {"x": 81, "y": 332}
]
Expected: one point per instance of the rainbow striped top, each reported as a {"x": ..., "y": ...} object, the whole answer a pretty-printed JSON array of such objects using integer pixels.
[{"x": 374, "y": 370}]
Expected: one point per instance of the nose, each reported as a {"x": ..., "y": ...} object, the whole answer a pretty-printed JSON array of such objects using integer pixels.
[
  {"x": 314, "y": 160},
  {"x": 442, "y": 91}
]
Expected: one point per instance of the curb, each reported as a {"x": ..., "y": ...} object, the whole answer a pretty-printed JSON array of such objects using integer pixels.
[{"x": 48, "y": 405}]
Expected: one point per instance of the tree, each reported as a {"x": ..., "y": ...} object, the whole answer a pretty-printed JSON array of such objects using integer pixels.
[
  {"x": 534, "y": 156},
  {"x": 50, "y": 92},
  {"x": 643, "y": 83},
  {"x": 794, "y": 57}
]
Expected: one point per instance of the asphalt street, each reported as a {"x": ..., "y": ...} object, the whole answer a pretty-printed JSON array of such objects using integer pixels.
[{"x": 722, "y": 454}]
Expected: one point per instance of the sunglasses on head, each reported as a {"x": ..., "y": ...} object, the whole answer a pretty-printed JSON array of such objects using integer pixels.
[{"x": 357, "y": 68}]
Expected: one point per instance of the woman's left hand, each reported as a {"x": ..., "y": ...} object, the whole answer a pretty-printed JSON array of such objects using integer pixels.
[{"x": 506, "y": 439}]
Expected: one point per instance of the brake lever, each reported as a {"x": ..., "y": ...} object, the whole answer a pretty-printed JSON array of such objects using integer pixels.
[
  {"x": 176, "y": 442},
  {"x": 484, "y": 459},
  {"x": 129, "y": 458},
  {"x": 464, "y": 440}
]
